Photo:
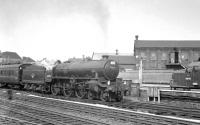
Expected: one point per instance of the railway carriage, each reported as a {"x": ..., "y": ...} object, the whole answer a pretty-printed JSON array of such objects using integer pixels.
[{"x": 11, "y": 74}]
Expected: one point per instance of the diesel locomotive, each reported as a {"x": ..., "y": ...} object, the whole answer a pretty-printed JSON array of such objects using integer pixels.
[{"x": 95, "y": 79}]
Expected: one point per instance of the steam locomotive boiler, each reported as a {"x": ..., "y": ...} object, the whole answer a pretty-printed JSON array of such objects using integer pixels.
[{"x": 88, "y": 79}]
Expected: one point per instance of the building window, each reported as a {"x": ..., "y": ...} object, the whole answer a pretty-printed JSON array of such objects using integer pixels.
[
  {"x": 143, "y": 55},
  {"x": 164, "y": 56},
  {"x": 196, "y": 56},
  {"x": 153, "y": 56},
  {"x": 184, "y": 56},
  {"x": 171, "y": 57}
]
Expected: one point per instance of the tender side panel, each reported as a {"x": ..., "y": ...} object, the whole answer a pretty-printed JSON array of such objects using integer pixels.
[{"x": 33, "y": 74}]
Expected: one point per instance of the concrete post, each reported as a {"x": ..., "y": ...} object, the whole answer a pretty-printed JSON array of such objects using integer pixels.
[{"x": 140, "y": 72}]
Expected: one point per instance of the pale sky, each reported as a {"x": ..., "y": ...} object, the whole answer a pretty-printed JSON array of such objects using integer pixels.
[{"x": 62, "y": 29}]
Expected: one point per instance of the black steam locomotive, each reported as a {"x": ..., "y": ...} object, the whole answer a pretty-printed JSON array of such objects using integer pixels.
[{"x": 96, "y": 79}]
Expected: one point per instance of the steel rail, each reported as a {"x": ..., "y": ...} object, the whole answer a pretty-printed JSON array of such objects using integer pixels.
[
  {"x": 52, "y": 116},
  {"x": 6, "y": 120},
  {"x": 118, "y": 114}
]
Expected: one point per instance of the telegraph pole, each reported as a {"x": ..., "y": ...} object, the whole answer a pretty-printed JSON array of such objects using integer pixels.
[{"x": 140, "y": 72}]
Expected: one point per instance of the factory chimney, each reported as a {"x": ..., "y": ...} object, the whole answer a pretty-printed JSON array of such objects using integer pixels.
[
  {"x": 116, "y": 52},
  {"x": 136, "y": 37}
]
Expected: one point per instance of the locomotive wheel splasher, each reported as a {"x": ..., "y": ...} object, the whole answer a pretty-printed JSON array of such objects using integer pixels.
[{"x": 90, "y": 95}]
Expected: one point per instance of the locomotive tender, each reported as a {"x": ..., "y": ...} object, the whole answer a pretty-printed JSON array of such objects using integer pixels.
[{"x": 96, "y": 79}]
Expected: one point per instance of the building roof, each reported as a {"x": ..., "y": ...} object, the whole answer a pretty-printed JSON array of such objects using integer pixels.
[
  {"x": 123, "y": 60},
  {"x": 10, "y": 55},
  {"x": 28, "y": 59},
  {"x": 97, "y": 56},
  {"x": 167, "y": 43}
]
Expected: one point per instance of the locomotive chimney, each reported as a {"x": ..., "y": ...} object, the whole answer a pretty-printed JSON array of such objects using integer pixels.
[{"x": 136, "y": 37}]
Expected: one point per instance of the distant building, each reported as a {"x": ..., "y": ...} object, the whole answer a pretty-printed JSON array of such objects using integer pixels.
[
  {"x": 125, "y": 61},
  {"x": 166, "y": 54},
  {"x": 74, "y": 59},
  {"x": 9, "y": 58},
  {"x": 27, "y": 60}
]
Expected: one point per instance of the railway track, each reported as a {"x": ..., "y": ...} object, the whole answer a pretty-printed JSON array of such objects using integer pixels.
[
  {"x": 18, "y": 116},
  {"x": 6, "y": 120},
  {"x": 126, "y": 116},
  {"x": 37, "y": 115},
  {"x": 169, "y": 108},
  {"x": 181, "y": 98},
  {"x": 187, "y": 102},
  {"x": 160, "y": 109}
]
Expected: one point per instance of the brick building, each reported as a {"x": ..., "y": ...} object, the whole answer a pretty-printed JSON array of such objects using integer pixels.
[
  {"x": 9, "y": 58},
  {"x": 125, "y": 61},
  {"x": 166, "y": 54}
]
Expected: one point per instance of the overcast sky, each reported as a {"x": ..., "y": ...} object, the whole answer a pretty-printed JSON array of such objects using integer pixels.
[{"x": 61, "y": 29}]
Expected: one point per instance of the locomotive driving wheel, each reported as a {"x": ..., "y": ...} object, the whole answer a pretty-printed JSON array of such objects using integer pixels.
[
  {"x": 104, "y": 96},
  {"x": 90, "y": 95},
  {"x": 81, "y": 91},
  {"x": 55, "y": 88},
  {"x": 67, "y": 89}
]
